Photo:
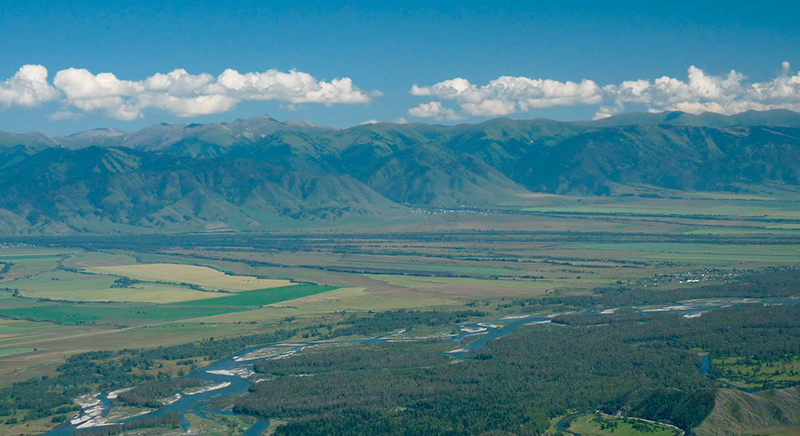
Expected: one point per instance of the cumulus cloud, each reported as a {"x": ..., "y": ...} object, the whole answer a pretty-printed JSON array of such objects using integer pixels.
[
  {"x": 725, "y": 94},
  {"x": 27, "y": 88},
  {"x": 700, "y": 92},
  {"x": 434, "y": 110},
  {"x": 177, "y": 92},
  {"x": 507, "y": 94}
]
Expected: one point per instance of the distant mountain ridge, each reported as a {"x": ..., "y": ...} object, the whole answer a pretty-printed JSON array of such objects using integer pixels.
[
  {"x": 773, "y": 118},
  {"x": 250, "y": 130},
  {"x": 260, "y": 173}
]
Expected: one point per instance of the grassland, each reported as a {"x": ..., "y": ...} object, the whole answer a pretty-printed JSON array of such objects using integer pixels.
[
  {"x": 598, "y": 425},
  {"x": 199, "y": 425},
  {"x": 772, "y": 412},
  {"x": 29, "y": 261},
  {"x": 12, "y": 351},
  {"x": 749, "y": 373},
  {"x": 221, "y": 425}
]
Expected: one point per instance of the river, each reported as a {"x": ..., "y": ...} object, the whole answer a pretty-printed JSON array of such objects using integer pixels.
[{"x": 223, "y": 373}]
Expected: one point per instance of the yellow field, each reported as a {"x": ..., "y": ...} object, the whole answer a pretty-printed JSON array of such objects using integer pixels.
[
  {"x": 69, "y": 286},
  {"x": 349, "y": 299},
  {"x": 205, "y": 277}
]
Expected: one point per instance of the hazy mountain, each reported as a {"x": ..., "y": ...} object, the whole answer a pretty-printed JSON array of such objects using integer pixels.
[
  {"x": 163, "y": 136},
  {"x": 102, "y": 137},
  {"x": 261, "y": 173},
  {"x": 33, "y": 139},
  {"x": 773, "y": 118}
]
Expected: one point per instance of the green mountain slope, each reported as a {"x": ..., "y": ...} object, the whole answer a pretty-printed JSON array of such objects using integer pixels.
[
  {"x": 677, "y": 157},
  {"x": 261, "y": 173},
  {"x": 434, "y": 176},
  {"x": 57, "y": 190}
]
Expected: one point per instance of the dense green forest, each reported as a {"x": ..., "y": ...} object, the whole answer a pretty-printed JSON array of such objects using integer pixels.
[
  {"x": 515, "y": 385},
  {"x": 643, "y": 364}
]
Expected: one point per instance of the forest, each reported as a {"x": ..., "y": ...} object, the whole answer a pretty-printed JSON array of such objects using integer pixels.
[{"x": 641, "y": 364}]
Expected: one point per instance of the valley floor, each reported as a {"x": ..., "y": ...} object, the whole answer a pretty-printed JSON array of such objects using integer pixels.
[{"x": 63, "y": 296}]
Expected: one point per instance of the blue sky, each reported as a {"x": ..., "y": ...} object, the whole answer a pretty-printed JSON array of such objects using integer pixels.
[{"x": 563, "y": 60}]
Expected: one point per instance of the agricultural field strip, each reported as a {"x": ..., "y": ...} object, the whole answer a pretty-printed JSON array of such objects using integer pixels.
[
  {"x": 51, "y": 284},
  {"x": 757, "y": 215},
  {"x": 160, "y": 283},
  {"x": 597, "y": 257},
  {"x": 202, "y": 276},
  {"x": 132, "y": 314},
  {"x": 90, "y": 287}
]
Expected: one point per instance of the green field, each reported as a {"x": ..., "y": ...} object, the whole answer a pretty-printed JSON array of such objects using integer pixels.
[
  {"x": 12, "y": 351},
  {"x": 28, "y": 261},
  {"x": 126, "y": 314},
  {"x": 261, "y": 297},
  {"x": 599, "y": 425}
]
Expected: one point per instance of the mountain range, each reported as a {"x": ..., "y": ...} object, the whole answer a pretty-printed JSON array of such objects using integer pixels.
[{"x": 260, "y": 173}]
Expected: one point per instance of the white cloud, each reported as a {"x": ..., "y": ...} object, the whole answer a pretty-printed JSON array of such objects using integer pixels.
[
  {"x": 177, "y": 92},
  {"x": 506, "y": 95},
  {"x": 64, "y": 115},
  {"x": 27, "y": 88},
  {"x": 449, "y": 89},
  {"x": 434, "y": 110},
  {"x": 292, "y": 87},
  {"x": 727, "y": 94}
]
